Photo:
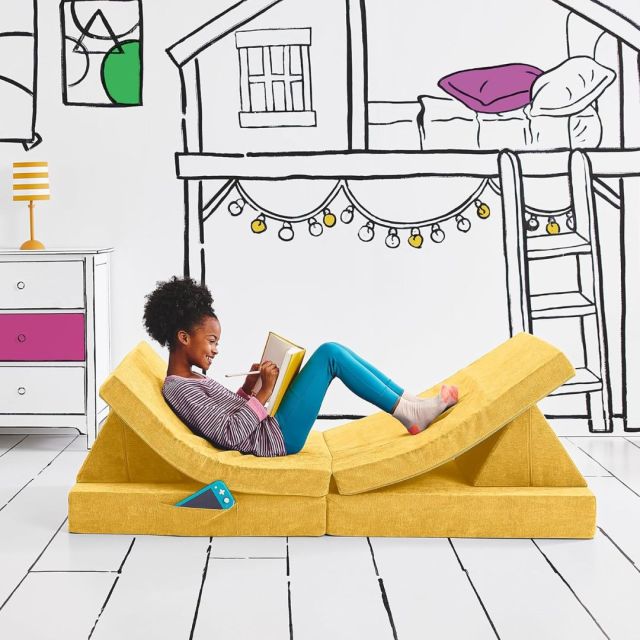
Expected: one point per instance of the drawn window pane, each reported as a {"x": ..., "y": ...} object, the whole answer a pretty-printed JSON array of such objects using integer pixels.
[
  {"x": 277, "y": 60},
  {"x": 275, "y": 78},
  {"x": 258, "y": 96},
  {"x": 295, "y": 64},
  {"x": 278, "y": 96},
  {"x": 256, "y": 67},
  {"x": 297, "y": 95}
]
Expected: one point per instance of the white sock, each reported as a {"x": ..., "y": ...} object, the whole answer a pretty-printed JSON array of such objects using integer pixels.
[{"x": 416, "y": 414}]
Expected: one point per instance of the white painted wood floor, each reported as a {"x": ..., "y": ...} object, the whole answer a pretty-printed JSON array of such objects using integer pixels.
[{"x": 63, "y": 586}]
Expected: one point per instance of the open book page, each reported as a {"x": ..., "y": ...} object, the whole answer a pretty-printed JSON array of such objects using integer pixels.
[{"x": 288, "y": 357}]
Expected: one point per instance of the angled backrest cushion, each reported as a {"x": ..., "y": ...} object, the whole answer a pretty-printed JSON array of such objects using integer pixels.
[
  {"x": 377, "y": 451},
  {"x": 134, "y": 392}
]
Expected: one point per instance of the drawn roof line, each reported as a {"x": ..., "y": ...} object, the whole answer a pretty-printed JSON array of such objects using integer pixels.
[
  {"x": 217, "y": 28},
  {"x": 611, "y": 19}
]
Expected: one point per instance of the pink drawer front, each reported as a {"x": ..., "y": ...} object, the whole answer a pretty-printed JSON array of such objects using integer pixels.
[{"x": 34, "y": 337}]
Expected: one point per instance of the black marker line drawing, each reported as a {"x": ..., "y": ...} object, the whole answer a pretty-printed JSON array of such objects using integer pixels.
[
  {"x": 19, "y": 72},
  {"x": 101, "y": 52},
  {"x": 498, "y": 136},
  {"x": 275, "y": 78}
]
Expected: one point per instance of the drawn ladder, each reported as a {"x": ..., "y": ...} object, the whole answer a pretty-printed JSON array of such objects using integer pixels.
[{"x": 527, "y": 312}]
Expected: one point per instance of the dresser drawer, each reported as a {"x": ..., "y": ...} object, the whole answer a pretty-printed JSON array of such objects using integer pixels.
[
  {"x": 35, "y": 390},
  {"x": 37, "y": 337},
  {"x": 42, "y": 285}
]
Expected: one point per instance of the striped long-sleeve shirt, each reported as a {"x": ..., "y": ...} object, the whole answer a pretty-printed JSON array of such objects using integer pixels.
[{"x": 226, "y": 419}]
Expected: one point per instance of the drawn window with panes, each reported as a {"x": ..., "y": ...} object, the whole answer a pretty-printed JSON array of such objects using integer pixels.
[{"x": 275, "y": 78}]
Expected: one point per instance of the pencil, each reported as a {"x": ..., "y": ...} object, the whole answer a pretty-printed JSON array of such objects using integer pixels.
[{"x": 233, "y": 375}]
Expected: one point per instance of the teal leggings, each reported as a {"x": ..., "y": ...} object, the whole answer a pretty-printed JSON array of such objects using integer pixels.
[{"x": 301, "y": 403}]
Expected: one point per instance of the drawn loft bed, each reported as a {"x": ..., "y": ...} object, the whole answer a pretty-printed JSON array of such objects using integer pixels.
[{"x": 228, "y": 138}]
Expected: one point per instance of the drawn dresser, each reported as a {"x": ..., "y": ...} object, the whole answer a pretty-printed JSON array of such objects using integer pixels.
[{"x": 54, "y": 339}]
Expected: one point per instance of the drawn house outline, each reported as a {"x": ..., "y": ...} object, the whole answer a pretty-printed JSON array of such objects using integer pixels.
[{"x": 605, "y": 176}]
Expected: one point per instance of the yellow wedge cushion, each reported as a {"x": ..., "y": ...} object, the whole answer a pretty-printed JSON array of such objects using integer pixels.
[
  {"x": 134, "y": 392},
  {"x": 377, "y": 451}
]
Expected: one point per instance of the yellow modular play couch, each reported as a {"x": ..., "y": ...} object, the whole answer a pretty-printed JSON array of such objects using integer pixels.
[{"x": 491, "y": 466}]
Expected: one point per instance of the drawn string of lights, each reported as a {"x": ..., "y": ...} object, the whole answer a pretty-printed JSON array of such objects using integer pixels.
[
  {"x": 533, "y": 223},
  {"x": 366, "y": 232}
]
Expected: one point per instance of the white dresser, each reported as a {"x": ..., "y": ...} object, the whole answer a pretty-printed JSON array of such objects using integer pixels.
[{"x": 55, "y": 349}]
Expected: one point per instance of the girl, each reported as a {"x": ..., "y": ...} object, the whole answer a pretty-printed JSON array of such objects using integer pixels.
[{"x": 178, "y": 314}]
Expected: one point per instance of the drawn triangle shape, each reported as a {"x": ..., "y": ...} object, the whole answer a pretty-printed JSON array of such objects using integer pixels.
[{"x": 86, "y": 32}]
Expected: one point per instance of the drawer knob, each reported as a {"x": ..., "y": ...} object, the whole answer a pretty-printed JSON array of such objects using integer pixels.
[
  {"x": 22, "y": 337},
  {"x": 20, "y": 285},
  {"x": 21, "y": 391}
]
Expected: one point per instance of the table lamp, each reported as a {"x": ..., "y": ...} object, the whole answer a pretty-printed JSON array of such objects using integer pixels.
[{"x": 31, "y": 183}]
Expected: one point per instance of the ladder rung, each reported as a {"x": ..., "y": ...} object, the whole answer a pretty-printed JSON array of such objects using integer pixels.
[
  {"x": 584, "y": 380},
  {"x": 561, "y": 305},
  {"x": 553, "y": 246}
]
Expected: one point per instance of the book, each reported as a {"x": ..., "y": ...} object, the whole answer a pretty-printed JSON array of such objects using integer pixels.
[{"x": 288, "y": 357}]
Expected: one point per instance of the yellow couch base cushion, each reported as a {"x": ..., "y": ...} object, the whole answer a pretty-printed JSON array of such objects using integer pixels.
[
  {"x": 442, "y": 504},
  {"x": 134, "y": 393},
  {"x": 377, "y": 451},
  {"x": 146, "y": 508}
]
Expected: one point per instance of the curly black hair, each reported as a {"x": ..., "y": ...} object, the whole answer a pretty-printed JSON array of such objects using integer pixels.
[{"x": 179, "y": 303}]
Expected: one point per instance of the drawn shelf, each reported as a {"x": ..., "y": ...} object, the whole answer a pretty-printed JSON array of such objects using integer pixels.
[
  {"x": 393, "y": 164},
  {"x": 554, "y": 246},
  {"x": 585, "y": 381},
  {"x": 561, "y": 305}
]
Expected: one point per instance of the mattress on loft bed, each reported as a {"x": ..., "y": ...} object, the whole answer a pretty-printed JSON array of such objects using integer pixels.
[{"x": 446, "y": 123}]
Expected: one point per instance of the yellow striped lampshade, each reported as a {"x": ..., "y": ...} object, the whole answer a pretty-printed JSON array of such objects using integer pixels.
[{"x": 31, "y": 181}]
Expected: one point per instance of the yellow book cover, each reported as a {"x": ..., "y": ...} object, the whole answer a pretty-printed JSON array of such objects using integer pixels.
[{"x": 288, "y": 357}]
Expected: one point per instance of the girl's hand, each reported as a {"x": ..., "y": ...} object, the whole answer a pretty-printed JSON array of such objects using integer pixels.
[
  {"x": 268, "y": 374},
  {"x": 251, "y": 380}
]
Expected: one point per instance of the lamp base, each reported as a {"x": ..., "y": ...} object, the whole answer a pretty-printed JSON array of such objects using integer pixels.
[{"x": 32, "y": 244}]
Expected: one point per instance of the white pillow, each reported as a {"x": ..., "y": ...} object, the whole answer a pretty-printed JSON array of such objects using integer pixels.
[
  {"x": 570, "y": 87},
  {"x": 585, "y": 129}
]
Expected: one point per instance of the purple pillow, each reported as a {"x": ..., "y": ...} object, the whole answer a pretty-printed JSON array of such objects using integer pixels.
[{"x": 492, "y": 89}]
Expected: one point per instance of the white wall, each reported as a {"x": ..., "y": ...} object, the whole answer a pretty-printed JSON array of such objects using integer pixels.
[
  {"x": 417, "y": 315},
  {"x": 411, "y": 50}
]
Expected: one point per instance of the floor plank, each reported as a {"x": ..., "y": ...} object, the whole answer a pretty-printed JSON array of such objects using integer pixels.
[
  {"x": 617, "y": 455},
  {"x": 244, "y": 599},
  {"x": 28, "y": 523},
  {"x": 523, "y": 596},
  {"x": 249, "y": 547},
  {"x": 79, "y": 444},
  {"x": 23, "y": 463},
  {"x": 158, "y": 589},
  {"x": 51, "y": 606},
  {"x": 84, "y": 552},
  {"x": 634, "y": 440},
  {"x": 588, "y": 466},
  {"x": 606, "y": 582},
  {"x": 9, "y": 441},
  {"x": 334, "y": 590},
  {"x": 427, "y": 589},
  {"x": 618, "y": 514}
]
